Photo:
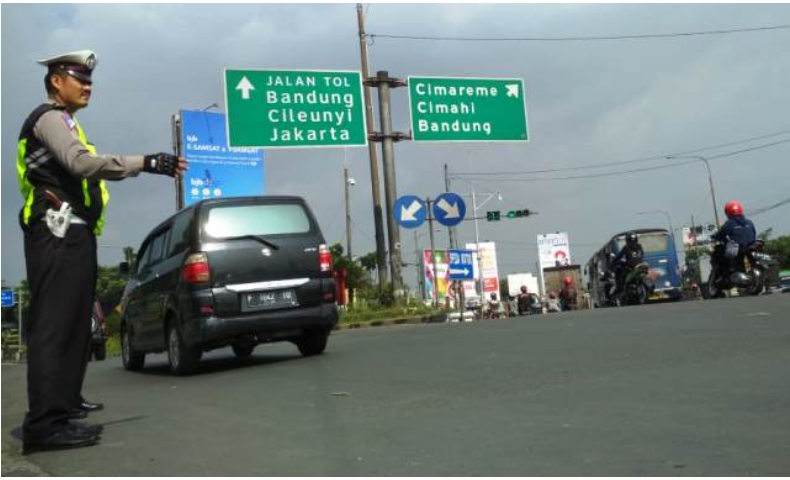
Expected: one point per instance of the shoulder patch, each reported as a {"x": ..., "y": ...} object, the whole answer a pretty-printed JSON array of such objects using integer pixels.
[{"x": 70, "y": 123}]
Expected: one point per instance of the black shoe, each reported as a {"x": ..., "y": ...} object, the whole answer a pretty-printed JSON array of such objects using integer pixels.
[
  {"x": 87, "y": 406},
  {"x": 61, "y": 439},
  {"x": 85, "y": 428},
  {"x": 76, "y": 414}
]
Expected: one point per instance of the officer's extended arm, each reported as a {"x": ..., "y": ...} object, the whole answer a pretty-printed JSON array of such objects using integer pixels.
[
  {"x": 53, "y": 130},
  {"x": 73, "y": 155}
]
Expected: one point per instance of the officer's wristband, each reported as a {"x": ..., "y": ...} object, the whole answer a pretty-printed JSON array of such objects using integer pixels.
[{"x": 161, "y": 163}]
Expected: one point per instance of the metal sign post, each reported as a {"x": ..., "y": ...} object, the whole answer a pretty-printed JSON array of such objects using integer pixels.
[{"x": 428, "y": 203}]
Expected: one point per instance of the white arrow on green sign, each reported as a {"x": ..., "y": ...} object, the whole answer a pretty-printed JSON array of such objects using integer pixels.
[
  {"x": 294, "y": 108},
  {"x": 446, "y": 109}
]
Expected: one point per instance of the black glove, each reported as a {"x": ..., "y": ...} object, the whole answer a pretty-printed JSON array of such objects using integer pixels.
[{"x": 161, "y": 163}]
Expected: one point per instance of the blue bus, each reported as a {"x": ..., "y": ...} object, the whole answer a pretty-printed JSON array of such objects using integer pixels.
[{"x": 660, "y": 253}]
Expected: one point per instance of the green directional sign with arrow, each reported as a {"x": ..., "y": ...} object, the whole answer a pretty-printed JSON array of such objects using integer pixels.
[
  {"x": 445, "y": 109},
  {"x": 294, "y": 108}
]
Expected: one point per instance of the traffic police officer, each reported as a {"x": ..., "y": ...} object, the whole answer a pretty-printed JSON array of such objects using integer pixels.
[{"x": 62, "y": 182}]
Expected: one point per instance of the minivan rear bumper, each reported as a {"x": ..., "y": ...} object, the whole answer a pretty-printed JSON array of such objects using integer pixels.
[{"x": 263, "y": 324}]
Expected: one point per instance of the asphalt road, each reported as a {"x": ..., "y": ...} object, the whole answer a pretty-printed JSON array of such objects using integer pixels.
[{"x": 689, "y": 389}]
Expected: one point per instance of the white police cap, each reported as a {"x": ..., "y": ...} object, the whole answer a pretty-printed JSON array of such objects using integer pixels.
[{"x": 79, "y": 64}]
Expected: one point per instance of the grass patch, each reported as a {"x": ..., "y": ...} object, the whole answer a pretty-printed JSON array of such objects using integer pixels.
[
  {"x": 365, "y": 313},
  {"x": 113, "y": 345}
]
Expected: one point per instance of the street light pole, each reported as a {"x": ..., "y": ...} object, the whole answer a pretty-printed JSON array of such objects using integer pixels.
[
  {"x": 669, "y": 222},
  {"x": 348, "y": 182},
  {"x": 710, "y": 181}
]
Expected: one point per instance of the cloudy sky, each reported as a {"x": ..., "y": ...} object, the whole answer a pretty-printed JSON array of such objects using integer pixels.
[{"x": 589, "y": 102}]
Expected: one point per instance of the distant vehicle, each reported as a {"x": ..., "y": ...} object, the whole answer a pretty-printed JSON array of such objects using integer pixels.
[
  {"x": 232, "y": 271},
  {"x": 98, "y": 332},
  {"x": 660, "y": 256},
  {"x": 784, "y": 281}
]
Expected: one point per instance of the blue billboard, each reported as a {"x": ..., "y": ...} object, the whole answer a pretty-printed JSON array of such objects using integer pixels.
[{"x": 215, "y": 169}]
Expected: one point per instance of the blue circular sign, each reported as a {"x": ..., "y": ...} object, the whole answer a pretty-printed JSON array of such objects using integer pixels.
[
  {"x": 449, "y": 209},
  {"x": 409, "y": 211}
]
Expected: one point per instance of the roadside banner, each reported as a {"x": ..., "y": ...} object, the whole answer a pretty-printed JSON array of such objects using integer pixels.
[
  {"x": 487, "y": 267},
  {"x": 442, "y": 267},
  {"x": 215, "y": 169},
  {"x": 554, "y": 250}
]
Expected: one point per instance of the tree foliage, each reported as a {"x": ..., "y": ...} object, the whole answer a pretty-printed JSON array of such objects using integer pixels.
[
  {"x": 778, "y": 248},
  {"x": 356, "y": 276}
]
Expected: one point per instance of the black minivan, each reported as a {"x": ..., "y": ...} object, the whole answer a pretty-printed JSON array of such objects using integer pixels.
[{"x": 232, "y": 271}]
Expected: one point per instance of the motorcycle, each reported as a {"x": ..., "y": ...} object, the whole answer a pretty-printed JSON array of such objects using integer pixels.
[
  {"x": 751, "y": 280},
  {"x": 637, "y": 286},
  {"x": 493, "y": 310},
  {"x": 529, "y": 304},
  {"x": 609, "y": 287}
]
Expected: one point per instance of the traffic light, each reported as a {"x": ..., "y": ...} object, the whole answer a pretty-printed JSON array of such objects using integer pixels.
[
  {"x": 519, "y": 213},
  {"x": 496, "y": 215}
]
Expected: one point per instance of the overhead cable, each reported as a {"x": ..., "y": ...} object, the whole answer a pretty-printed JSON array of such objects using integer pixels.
[
  {"x": 583, "y": 38},
  {"x": 685, "y": 161},
  {"x": 760, "y": 211},
  {"x": 622, "y": 162}
]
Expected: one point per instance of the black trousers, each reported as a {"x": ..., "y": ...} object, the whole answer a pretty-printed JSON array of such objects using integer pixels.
[{"x": 62, "y": 277}]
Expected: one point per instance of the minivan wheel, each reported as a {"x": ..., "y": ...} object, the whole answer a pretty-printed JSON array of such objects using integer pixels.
[
  {"x": 100, "y": 351},
  {"x": 132, "y": 359},
  {"x": 243, "y": 350},
  {"x": 313, "y": 342},
  {"x": 183, "y": 359}
]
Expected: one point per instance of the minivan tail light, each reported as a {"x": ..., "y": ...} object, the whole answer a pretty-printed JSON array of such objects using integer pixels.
[
  {"x": 325, "y": 259},
  {"x": 195, "y": 269}
]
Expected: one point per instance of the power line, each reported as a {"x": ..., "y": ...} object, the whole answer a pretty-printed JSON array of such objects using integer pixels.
[
  {"x": 622, "y": 162},
  {"x": 760, "y": 211},
  {"x": 580, "y": 38},
  {"x": 635, "y": 170}
]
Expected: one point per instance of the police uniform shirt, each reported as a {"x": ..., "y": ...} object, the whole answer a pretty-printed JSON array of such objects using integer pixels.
[{"x": 58, "y": 131}]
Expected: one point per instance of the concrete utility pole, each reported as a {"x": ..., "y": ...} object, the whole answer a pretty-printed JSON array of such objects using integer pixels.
[
  {"x": 387, "y": 138},
  {"x": 381, "y": 260},
  {"x": 347, "y": 182}
]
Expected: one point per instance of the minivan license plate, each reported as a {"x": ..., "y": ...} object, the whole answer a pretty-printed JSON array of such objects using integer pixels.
[{"x": 269, "y": 300}]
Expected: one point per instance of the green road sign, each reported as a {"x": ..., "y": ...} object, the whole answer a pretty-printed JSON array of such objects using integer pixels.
[
  {"x": 445, "y": 109},
  {"x": 289, "y": 108}
]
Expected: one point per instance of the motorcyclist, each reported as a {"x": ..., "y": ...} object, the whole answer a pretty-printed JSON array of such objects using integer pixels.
[
  {"x": 737, "y": 228},
  {"x": 628, "y": 258},
  {"x": 523, "y": 301},
  {"x": 493, "y": 306},
  {"x": 552, "y": 304},
  {"x": 568, "y": 295}
]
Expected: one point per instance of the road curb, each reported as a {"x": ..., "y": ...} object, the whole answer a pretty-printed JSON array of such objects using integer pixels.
[{"x": 438, "y": 318}]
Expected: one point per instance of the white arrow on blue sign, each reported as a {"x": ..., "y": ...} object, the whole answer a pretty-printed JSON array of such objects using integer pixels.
[
  {"x": 449, "y": 209},
  {"x": 461, "y": 265},
  {"x": 8, "y": 298},
  {"x": 409, "y": 211}
]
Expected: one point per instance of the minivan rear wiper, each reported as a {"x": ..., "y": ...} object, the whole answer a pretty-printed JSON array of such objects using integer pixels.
[{"x": 252, "y": 237}]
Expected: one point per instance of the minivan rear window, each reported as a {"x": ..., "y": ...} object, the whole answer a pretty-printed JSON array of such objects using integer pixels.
[{"x": 271, "y": 219}]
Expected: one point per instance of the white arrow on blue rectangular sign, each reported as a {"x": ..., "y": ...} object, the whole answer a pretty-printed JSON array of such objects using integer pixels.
[
  {"x": 8, "y": 298},
  {"x": 461, "y": 265}
]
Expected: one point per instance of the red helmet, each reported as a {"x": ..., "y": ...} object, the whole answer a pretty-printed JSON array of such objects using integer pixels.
[
  {"x": 733, "y": 208},
  {"x": 567, "y": 281}
]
